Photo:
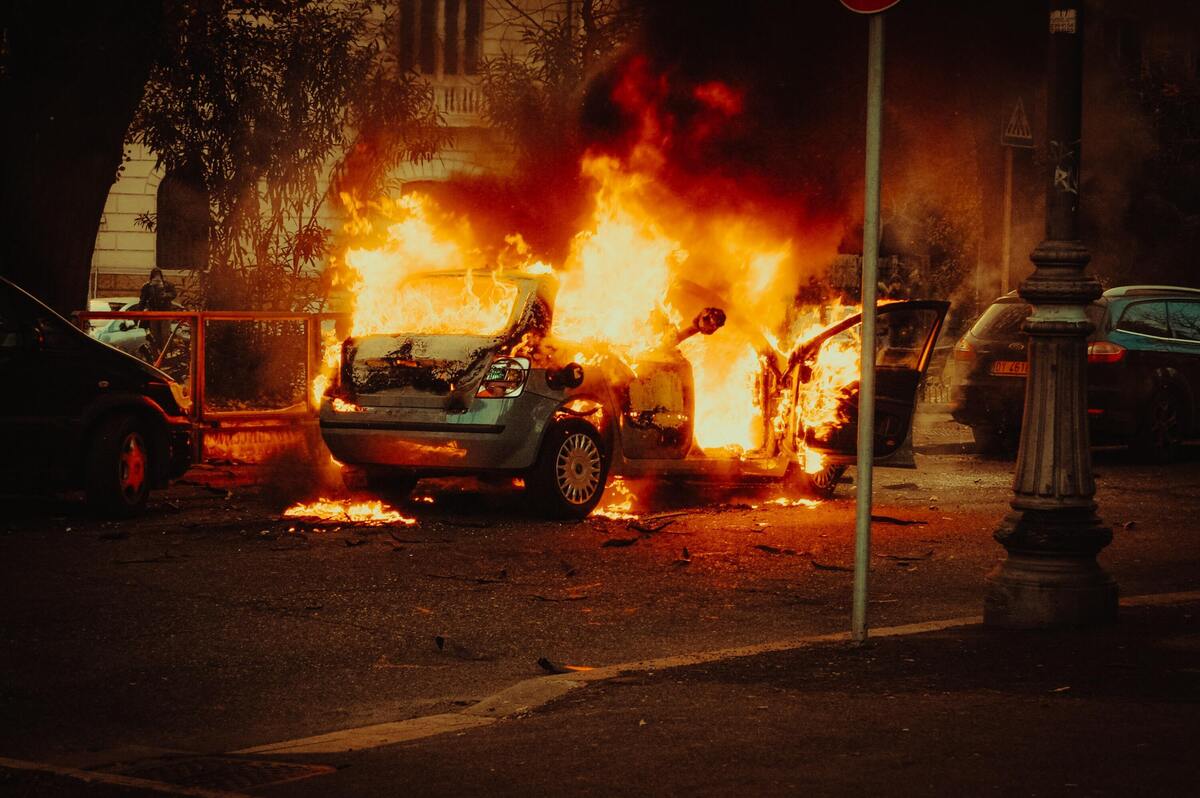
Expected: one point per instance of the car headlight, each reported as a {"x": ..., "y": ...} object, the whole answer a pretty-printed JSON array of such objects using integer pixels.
[
  {"x": 181, "y": 395},
  {"x": 505, "y": 378}
]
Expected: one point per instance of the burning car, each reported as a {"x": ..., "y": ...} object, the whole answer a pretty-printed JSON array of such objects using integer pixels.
[{"x": 515, "y": 396}]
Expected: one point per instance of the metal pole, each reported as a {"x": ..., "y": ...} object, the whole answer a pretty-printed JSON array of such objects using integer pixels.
[
  {"x": 1050, "y": 577},
  {"x": 866, "y": 383},
  {"x": 1006, "y": 249}
]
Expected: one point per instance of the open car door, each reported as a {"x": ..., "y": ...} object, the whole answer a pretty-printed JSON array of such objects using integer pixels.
[{"x": 905, "y": 336}]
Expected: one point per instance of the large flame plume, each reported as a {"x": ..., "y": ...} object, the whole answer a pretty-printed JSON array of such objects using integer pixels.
[{"x": 643, "y": 235}]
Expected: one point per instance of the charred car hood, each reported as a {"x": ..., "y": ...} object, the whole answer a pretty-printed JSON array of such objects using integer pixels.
[{"x": 385, "y": 369}]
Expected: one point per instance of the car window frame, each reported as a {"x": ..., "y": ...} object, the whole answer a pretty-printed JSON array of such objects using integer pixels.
[
  {"x": 1116, "y": 325},
  {"x": 1171, "y": 303}
]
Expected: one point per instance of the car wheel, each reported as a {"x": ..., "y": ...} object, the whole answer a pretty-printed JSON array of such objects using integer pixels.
[
  {"x": 1160, "y": 432},
  {"x": 820, "y": 485},
  {"x": 569, "y": 477},
  {"x": 117, "y": 472},
  {"x": 392, "y": 487},
  {"x": 823, "y": 483}
]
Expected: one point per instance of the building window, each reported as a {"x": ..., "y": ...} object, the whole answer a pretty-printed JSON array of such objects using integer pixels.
[
  {"x": 427, "y": 48},
  {"x": 450, "y": 38},
  {"x": 471, "y": 31},
  {"x": 441, "y": 37},
  {"x": 182, "y": 223}
]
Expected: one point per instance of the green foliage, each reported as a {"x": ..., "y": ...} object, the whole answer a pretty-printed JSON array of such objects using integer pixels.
[
  {"x": 266, "y": 102},
  {"x": 535, "y": 99}
]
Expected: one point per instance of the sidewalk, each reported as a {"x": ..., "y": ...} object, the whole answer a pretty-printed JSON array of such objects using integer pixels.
[{"x": 957, "y": 712}]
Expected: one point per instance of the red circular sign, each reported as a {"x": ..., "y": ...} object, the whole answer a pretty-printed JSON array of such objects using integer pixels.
[{"x": 869, "y": 6}]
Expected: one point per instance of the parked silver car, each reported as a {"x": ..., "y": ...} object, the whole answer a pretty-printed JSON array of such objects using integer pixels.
[
  {"x": 408, "y": 406},
  {"x": 137, "y": 338}
]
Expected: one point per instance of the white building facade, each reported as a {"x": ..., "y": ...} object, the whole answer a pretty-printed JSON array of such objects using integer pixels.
[{"x": 445, "y": 41}]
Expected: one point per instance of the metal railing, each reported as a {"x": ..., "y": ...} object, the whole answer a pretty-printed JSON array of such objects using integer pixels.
[{"x": 186, "y": 352}]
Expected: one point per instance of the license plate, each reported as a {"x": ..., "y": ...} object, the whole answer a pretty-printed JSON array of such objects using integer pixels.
[{"x": 1011, "y": 368}]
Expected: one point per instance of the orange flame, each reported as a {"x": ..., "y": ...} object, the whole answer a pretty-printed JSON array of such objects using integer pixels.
[
  {"x": 615, "y": 288},
  {"x": 351, "y": 512}
]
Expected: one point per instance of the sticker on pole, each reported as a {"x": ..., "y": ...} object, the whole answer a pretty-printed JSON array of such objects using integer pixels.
[
  {"x": 869, "y": 6},
  {"x": 1018, "y": 132}
]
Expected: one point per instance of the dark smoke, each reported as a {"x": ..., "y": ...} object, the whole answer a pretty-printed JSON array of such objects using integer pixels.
[{"x": 954, "y": 71}]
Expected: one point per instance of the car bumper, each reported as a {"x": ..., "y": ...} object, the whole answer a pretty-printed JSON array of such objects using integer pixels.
[
  {"x": 996, "y": 403},
  {"x": 1000, "y": 403},
  {"x": 179, "y": 443},
  {"x": 496, "y": 435}
]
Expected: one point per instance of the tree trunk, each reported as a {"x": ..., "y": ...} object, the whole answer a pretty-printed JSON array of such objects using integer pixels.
[{"x": 70, "y": 82}]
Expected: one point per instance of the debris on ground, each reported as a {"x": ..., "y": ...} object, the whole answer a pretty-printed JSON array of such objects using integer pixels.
[
  {"x": 891, "y": 519},
  {"x": 925, "y": 555},
  {"x": 616, "y": 543},
  {"x": 774, "y": 549},
  {"x": 455, "y": 649},
  {"x": 822, "y": 566},
  {"x": 656, "y": 517},
  {"x": 648, "y": 528},
  {"x": 549, "y": 666}
]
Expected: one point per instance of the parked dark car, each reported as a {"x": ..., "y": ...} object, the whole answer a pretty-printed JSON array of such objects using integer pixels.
[
  {"x": 1143, "y": 370},
  {"x": 77, "y": 413}
]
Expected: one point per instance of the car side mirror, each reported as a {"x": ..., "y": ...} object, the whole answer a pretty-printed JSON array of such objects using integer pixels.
[
  {"x": 707, "y": 322},
  {"x": 569, "y": 376}
]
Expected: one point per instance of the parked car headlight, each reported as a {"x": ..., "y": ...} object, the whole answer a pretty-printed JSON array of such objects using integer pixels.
[
  {"x": 181, "y": 397},
  {"x": 505, "y": 378}
]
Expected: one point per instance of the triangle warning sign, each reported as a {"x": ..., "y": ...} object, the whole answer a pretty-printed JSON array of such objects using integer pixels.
[{"x": 1018, "y": 132}]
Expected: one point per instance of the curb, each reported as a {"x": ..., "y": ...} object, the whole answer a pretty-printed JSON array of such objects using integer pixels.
[{"x": 530, "y": 694}]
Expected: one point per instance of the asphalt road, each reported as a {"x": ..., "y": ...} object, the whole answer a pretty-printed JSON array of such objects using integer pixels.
[{"x": 211, "y": 625}]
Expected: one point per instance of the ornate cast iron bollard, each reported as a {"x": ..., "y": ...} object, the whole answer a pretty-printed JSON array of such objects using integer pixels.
[{"x": 1050, "y": 577}]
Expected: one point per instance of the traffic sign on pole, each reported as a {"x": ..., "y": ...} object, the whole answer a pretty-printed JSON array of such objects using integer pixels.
[
  {"x": 1018, "y": 132},
  {"x": 869, "y": 6}
]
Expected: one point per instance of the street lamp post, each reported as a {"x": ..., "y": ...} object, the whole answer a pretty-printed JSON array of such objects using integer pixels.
[{"x": 1050, "y": 577}]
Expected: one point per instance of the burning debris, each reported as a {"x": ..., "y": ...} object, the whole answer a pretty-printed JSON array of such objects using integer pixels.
[{"x": 365, "y": 513}]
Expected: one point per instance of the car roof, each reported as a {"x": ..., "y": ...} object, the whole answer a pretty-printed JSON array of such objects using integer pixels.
[{"x": 1150, "y": 290}]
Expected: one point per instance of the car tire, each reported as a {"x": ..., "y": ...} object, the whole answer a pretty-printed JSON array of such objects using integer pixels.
[
  {"x": 571, "y": 472},
  {"x": 823, "y": 483},
  {"x": 1160, "y": 429},
  {"x": 820, "y": 485},
  {"x": 393, "y": 487},
  {"x": 118, "y": 469}
]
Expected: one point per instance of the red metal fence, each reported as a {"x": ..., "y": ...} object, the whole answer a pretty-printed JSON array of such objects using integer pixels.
[{"x": 269, "y": 358}]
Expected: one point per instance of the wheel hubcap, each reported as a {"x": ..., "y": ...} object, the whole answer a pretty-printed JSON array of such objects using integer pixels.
[
  {"x": 131, "y": 466},
  {"x": 577, "y": 468},
  {"x": 825, "y": 477}
]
